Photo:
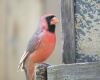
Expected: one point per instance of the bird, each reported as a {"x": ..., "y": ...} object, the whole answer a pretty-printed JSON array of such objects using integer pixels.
[{"x": 40, "y": 46}]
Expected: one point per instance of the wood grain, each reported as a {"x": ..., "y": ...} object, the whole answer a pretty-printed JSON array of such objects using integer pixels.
[
  {"x": 67, "y": 13},
  {"x": 81, "y": 71}
]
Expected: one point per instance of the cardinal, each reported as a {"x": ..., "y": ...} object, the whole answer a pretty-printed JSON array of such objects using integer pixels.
[{"x": 40, "y": 46}]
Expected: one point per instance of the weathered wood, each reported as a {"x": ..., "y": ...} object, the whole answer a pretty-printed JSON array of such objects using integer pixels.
[
  {"x": 41, "y": 71},
  {"x": 87, "y": 26},
  {"x": 67, "y": 13},
  {"x": 82, "y": 71}
]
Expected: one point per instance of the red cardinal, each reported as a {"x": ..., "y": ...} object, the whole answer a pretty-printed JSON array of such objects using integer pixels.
[{"x": 40, "y": 45}]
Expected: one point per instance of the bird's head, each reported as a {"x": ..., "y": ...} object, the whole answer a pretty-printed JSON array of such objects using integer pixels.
[{"x": 48, "y": 22}]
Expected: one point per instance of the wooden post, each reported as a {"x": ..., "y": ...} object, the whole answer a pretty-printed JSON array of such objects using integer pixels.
[
  {"x": 41, "y": 71},
  {"x": 67, "y": 13}
]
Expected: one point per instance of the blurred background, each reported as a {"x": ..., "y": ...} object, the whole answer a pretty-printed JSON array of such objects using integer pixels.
[{"x": 18, "y": 21}]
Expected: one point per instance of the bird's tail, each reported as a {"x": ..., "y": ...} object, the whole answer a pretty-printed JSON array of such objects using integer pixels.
[
  {"x": 29, "y": 72},
  {"x": 20, "y": 66}
]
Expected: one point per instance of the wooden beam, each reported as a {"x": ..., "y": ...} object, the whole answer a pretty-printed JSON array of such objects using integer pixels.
[
  {"x": 81, "y": 71},
  {"x": 67, "y": 13}
]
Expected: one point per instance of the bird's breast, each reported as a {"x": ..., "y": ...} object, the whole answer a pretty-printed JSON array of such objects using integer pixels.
[
  {"x": 46, "y": 46},
  {"x": 48, "y": 42}
]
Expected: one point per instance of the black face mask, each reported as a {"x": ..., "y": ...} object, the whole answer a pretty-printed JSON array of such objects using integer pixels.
[{"x": 51, "y": 28}]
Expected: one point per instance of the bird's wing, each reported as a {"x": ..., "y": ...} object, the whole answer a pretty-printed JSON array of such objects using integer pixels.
[{"x": 31, "y": 47}]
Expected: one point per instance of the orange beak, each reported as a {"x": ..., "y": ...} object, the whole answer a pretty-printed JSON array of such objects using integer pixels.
[{"x": 54, "y": 21}]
